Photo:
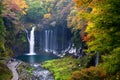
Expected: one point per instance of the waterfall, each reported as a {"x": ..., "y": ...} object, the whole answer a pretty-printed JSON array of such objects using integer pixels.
[
  {"x": 97, "y": 59},
  {"x": 51, "y": 41},
  {"x": 55, "y": 40},
  {"x": 31, "y": 42},
  {"x": 27, "y": 35},
  {"x": 46, "y": 40}
]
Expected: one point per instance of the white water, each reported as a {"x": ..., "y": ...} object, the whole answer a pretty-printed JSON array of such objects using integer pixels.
[
  {"x": 97, "y": 59},
  {"x": 32, "y": 42},
  {"x": 49, "y": 41},
  {"x": 46, "y": 40}
]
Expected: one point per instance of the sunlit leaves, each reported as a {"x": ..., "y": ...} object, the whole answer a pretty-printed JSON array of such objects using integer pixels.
[
  {"x": 47, "y": 16},
  {"x": 89, "y": 27}
]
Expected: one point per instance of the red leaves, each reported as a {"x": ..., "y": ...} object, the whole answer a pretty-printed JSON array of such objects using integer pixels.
[
  {"x": 15, "y": 7},
  {"x": 86, "y": 38}
]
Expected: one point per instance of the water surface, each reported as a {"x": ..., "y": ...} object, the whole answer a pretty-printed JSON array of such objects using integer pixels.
[{"x": 36, "y": 58}]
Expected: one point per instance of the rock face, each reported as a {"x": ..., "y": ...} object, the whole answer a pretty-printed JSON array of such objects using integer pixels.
[
  {"x": 43, "y": 75},
  {"x": 49, "y": 39},
  {"x": 40, "y": 73},
  {"x": 36, "y": 72}
]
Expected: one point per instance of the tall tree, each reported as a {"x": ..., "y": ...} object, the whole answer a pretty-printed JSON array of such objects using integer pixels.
[
  {"x": 2, "y": 33},
  {"x": 14, "y": 8},
  {"x": 102, "y": 31}
]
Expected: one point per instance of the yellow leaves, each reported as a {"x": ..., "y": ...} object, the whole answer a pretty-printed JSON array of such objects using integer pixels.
[
  {"x": 47, "y": 16},
  {"x": 89, "y": 27},
  {"x": 23, "y": 12},
  {"x": 22, "y": 5},
  {"x": 84, "y": 3},
  {"x": 96, "y": 11}
]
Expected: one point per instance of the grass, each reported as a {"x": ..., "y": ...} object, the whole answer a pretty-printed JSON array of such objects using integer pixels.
[
  {"x": 5, "y": 73},
  {"x": 64, "y": 67}
]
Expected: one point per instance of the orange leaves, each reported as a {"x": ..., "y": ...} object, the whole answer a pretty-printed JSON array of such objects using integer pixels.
[
  {"x": 47, "y": 15},
  {"x": 80, "y": 3},
  {"x": 86, "y": 38},
  {"x": 22, "y": 5},
  {"x": 14, "y": 6}
]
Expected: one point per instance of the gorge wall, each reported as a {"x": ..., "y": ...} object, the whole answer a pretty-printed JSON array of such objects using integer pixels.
[{"x": 49, "y": 39}]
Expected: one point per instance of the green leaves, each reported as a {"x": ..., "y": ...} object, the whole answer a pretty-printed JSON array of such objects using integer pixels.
[
  {"x": 37, "y": 10},
  {"x": 2, "y": 33},
  {"x": 103, "y": 31},
  {"x": 111, "y": 62}
]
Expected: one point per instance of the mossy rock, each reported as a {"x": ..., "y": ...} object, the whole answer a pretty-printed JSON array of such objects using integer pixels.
[{"x": 5, "y": 73}]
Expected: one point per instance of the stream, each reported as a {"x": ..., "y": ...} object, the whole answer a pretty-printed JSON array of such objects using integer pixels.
[
  {"x": 33, "y": 71},
  {"x": 40, "y": 73}
]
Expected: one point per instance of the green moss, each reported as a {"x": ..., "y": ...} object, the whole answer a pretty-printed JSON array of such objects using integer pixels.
[
  {"x": 30, "y": 70},
  {"x": 63, "y": 68},
  {"x": 25, "y": 71},
  {"x": 5, "y": 73}
]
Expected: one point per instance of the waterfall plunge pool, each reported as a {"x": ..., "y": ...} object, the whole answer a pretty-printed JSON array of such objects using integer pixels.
[{"x": 36, "y": 58}]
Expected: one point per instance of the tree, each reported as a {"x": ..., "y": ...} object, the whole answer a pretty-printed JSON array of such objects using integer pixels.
[
  {"x": 77, "y": 39},
  {"x": 14, "y": 8},
  {"x": 102, "y": 31},
  {"x": 92, "y": 73},
  {"x": 37, "y": 10},
  {"x": 2, "y": 33}
]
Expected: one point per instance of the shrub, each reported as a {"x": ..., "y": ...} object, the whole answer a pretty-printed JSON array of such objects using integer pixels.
[
  {"x": 92, "y": 73},
  {"x": 111, "y": 62}
]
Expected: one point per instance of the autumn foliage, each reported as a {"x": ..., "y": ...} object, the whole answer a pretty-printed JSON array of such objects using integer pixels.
[
  {"x": 47, "y": 16},
  {"x": 102, "y": 35},
  {"x": 92, "y": 73},
  {"x": 86, "y": 38},
  {"x": 13, "y": 7},
  {"x": 80, "y": 3}
]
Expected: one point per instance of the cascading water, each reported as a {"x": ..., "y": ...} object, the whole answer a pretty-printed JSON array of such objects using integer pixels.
[
  {"x": 97, "y": 59},
  {"x": 32, "y": 57},
  {"x": 49, "y": 42},
  {"x": 46, "y": 40},
  {"x": 55, "y": 40},
  {"x": 32, "y": 42}
]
